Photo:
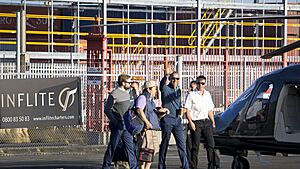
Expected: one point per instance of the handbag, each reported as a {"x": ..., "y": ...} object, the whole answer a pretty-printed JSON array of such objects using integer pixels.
[{"x": 146, "y": 154}]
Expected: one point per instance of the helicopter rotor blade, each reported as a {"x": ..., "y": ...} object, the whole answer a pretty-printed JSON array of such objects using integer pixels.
[{"x": 282, "y": 50}]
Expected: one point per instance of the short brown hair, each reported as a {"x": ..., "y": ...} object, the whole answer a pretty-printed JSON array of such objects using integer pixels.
[
  {"x": 201, "y": 77},
  {"x": 122, "y": 78}
]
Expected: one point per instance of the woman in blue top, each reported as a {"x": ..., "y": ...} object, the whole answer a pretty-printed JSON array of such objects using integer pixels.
[{"x": 146, "y": 110}]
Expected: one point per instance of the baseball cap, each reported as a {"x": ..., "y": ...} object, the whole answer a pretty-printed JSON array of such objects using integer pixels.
[{"x": 149, "y": 83}]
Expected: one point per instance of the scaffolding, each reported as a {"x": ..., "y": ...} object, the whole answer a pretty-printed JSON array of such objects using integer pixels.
[{"x": 171, "y": 37}]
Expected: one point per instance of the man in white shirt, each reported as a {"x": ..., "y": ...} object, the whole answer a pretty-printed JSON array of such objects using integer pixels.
[{"x": 199, "y": 107}]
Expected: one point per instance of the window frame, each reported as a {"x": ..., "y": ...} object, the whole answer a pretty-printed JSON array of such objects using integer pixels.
[{"x": 254, "y": 98}]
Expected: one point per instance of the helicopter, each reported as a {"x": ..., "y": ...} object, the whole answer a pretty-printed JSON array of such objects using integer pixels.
[{"x": 264, "y": 118}]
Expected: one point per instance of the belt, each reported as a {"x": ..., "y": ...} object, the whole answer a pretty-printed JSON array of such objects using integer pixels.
[{"x": 203, "y": 120}]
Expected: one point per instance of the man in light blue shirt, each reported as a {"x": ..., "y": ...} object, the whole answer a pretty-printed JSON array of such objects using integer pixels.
[{"x": 172, "y": 122}]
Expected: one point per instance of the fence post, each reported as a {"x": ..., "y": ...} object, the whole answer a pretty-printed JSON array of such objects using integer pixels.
[
  {"x": 284, "y": 62},
  {"x": 103, "y": 57},
  {"x": 226, "y": 78}
]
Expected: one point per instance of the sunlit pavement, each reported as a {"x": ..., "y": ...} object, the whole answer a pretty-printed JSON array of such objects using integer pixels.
[
  {"x": 263, "y": 162},
  {"x": 94, "y": 160}
]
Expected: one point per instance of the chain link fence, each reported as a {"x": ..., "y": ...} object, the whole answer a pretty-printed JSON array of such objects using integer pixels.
[{"x": 95, "y": 86}]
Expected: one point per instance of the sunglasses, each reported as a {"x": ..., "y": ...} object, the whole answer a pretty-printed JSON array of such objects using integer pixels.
[
  {"x": 202, "y": 83},
  {"x": 128, "y": 82},
  {"x": 175, "y": 78}
]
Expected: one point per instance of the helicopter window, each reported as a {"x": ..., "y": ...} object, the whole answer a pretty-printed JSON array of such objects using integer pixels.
[{"x": 257, "y": 111}]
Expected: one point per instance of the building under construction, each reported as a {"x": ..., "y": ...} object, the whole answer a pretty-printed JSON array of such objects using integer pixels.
[{"x": 97, "y": 40}]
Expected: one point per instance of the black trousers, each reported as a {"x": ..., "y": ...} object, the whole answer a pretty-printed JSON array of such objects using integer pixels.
[{"x": 204, "y": 129}]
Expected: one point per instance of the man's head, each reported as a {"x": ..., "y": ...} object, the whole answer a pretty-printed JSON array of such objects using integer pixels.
[
  {"x": 124, "y": 81},
  {"x": 201, "y": 80},
  {"x": 193, "y": 85},
  {"x": 151, "y": 87},
  {"x": 174, "y": 79},
  {"x": 135, "y": 85}
]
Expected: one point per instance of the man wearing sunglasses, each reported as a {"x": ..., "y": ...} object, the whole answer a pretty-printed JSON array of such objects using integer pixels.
[
  {"x": 117, "y": 104},
  {"x": 199, "y": 108},
  {"x": 171, "y": 123}
]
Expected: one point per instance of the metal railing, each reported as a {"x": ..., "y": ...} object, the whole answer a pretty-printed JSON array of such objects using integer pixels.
[{"x": 242, "y": 71}]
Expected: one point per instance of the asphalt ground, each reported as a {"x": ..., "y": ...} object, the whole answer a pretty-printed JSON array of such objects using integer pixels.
[{"x": 92, "y": 157}]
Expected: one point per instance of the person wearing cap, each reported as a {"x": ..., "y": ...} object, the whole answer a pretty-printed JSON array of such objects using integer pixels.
[
  {"x": 146, "y": 109},
  {"x": 172, "y": 122},
  {"x": 117, "y": 104}
]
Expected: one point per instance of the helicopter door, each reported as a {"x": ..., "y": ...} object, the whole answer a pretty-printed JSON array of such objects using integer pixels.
[
  {"x": 257, "y": 112},
  {"x": 287, "y": 126}
]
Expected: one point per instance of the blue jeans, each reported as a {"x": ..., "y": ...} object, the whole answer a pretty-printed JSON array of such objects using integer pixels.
[
  {"x": 127, "y": 138},
  {"x": 173, "y": 125}
]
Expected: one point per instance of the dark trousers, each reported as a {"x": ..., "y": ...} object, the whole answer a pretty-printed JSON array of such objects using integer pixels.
[
  {"x": 172, "y": 125},
  {"x": 127, "y": 139},
  {"x": 188, "y": 142},
  {"x": 203, "y": 128}
]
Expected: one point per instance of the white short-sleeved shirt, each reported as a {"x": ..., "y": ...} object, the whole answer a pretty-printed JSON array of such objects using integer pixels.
[{"x": 199, "y": 105}]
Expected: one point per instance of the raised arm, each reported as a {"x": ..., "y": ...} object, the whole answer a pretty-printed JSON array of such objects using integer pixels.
[{"x": 165, "y": 80}]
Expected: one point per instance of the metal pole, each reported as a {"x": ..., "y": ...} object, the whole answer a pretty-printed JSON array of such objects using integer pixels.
[
  {"x": 285, "y": 6},
  {"x": 75, "y": 28},
  {"x": 23, "y": 42},
  {"x": 235, "y": 35},
  {"x": 227, "y": 35},
  {"x": 170, "y": 30},
  {"x": 198, "y": 37},
  {"x": 257, "y": 32},
  {"x": 48, "y": 25},
  {"x": 18, "y": 41},
  {"x": 129, "y": 41},
  {"x": 245, "y": 73},
  {"x": 123, "y": 31},
  {"x": 146, "y": 56},
  {"x": 152, "y": 41},
  {"x": 78, "y": 27},
  {"x": 263, "y": 40},
  {"x": 242, "y": 33},
  {"x": 52, "y": 27},
  {"x": 226, "y": 77},
  {"x": 52, "y": 35},
  {"x": 103, "y": 57},
  {"x": 175, "y": 18},
  {"x": 105, "y": 18},
  {"x": 104, "y": 53}
]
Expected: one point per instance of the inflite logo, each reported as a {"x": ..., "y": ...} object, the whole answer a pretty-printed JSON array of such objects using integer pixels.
[{"x": 64, "y": 99}]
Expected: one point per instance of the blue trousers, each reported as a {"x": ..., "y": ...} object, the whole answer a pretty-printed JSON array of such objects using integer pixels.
[
  {"x": 127, "y": 138},
  {"x": 173, "y": 125}
]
